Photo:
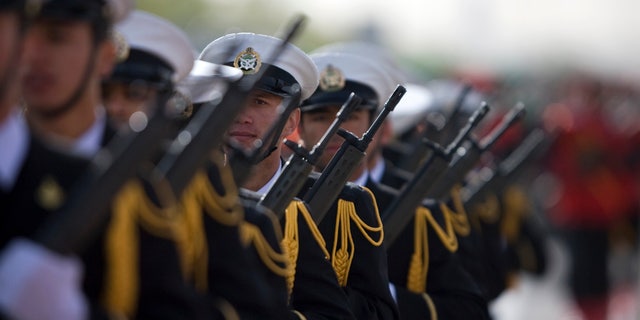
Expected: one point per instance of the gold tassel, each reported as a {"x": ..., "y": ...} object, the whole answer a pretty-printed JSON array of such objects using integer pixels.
[
  {"x": 419, "y": 265},
  {"x": 290, "y": 241},
  {"x": 343, "y": 247},
  {"x": 516, "y": 208},
  {"x": 121, "y": 284},
  {"x": 459, "y": 217}
]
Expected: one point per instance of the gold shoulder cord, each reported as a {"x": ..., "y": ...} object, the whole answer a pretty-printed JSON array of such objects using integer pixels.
[
  {"x": 300, "y": 315},
  {"x": 459, "y": 217},
  {"x": 515, "y": 209},
  {"x": 121, "y": 284},
  {"x": 432, "y": 307},
  {"x": 290, "y": 241},
  {"x": 419, "y": 265},
  {"x": 252, "y": 235},
  {"x": 343, "y": 249}
]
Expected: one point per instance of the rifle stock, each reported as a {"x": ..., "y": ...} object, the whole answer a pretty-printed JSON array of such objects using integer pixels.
[
  {"x": 402, "y": 208},
  {"x": 326, "y": 189},
  {"x": 297, "y": 169}
]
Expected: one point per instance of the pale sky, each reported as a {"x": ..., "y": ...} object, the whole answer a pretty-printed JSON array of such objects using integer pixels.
[{"x": 602, "y": 35}]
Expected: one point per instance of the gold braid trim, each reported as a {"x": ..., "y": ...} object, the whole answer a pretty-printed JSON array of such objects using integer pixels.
[
  {"x": 168, "y": 222},
  {"x": 459, "y": 217},
  {"x": 227, "y": 310},
  {"x": 448, "y": 237},
  {"x": 300, "y": 315},
  {"x": 290, "y": 240},
  {"x": 253, "y": 235},
  {"x": 419, "y": 265},
  {"x": 225, "y": 210},
  {"x": 194, "y": 229},
  {"x": 431, "y": 305},
  {"x": 121, "y": 284},
  {"x": 343, "y": 247},
  {"x": 516, "y": 208}
]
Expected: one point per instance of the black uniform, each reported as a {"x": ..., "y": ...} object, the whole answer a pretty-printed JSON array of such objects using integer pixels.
[
  {"x": 365, "y": 281},
  {"x": 449, "y": 292}
]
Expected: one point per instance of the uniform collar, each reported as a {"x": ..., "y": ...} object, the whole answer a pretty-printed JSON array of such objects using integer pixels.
[
  {"x": 271, "y": 181},
  {"x": 14, "y": 137},
  {"x": 90, "y": 142},
  {"x": 377, "y": 171}
]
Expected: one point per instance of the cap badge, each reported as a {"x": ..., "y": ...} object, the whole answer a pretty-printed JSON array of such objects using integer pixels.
[
  {"x": 122, "y": 46},
  {"x": 49, "y": 194},
  {"x": 331, "y": 79},
  {"x": 248, "y": 61}
]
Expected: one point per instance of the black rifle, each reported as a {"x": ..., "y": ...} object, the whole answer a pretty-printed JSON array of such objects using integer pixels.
[
  {"x": 68, "y": 229},
  {"x": 495, "y": 179},
  {"x": 207, "y": 129},
  {"x": 419, "y": 150},
  {"x": 327, "y": 188},
  {"x": 242, "y": 162},
  {"x": 402, "y": 208},
  {"x": 467, "y": 156},
  {"x": 296, "y": 171}
]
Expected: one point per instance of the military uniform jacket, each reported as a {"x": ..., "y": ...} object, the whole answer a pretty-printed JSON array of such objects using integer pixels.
[
  {"x": 315, "y": 292},
  {"x": 147, "y": 286},
  {"x": 365, "y": 281},
  {"x": 451, "y": 293}
]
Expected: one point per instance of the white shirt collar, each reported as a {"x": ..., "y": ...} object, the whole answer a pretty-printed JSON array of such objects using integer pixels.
[
  {"x": 362, "y": 179},
  {"x": 271, "y": 181},
  {"x": 378, "y": 170},
  {"x": 14, "y": 141},
  {"x": 90, "y": 142}
]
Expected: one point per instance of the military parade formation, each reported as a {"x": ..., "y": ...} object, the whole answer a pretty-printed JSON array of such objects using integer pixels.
[{"x": 141, "y": 178}]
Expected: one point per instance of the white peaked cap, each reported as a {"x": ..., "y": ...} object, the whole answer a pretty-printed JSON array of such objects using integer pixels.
[
  {"x": 231, "y": 49},
  {"x": 412, "y": 108},
  {"x": 378, "y": 53},
  {"x": 157, "y": 36},
  {"x": 355, "y": 69}
]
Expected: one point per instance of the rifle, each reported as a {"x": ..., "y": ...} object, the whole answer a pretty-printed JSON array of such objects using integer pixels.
[
  {"x": 420, "y": 150},
  {"x": 400, "y": 211},
  {"x": 297, "y": 169},
  {"x": 330, "y": 183},
  {"x": 468, "y": 156},
  {"x": 68, "y": 230},
  {"x": 495, "y": 179},
  {"x": 206, "y": 130}
]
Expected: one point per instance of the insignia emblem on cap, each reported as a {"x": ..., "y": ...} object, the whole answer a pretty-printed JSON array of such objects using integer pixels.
[
  {"x": 122, "y": 46},
  {"x": 331, "y": 79},
  {"x": 248, "y": 61},
  {"x": 49, "y": 194}
]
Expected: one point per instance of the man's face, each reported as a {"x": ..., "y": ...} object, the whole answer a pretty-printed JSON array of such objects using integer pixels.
[
  {"x": 57, "y": 55},
  {"x": 254, "y": 121},
  {"x": 315, "y": 123},
  {"x": 122, "y": 99}
]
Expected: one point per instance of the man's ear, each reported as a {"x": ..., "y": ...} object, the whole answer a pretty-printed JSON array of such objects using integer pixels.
[{"x": 292, "y": 123}]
